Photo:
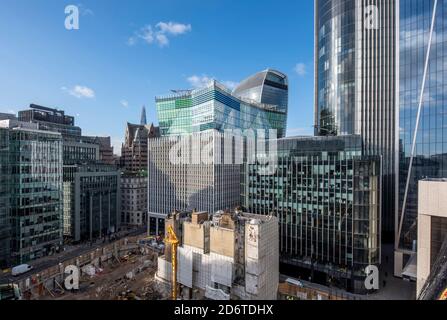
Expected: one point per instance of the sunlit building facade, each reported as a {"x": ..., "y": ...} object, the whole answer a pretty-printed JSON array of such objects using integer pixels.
[
  {"x": 423, "y": 122},
  {"x": 355, "y": 86},
  {"x": 326, "y": 196},
  {"x": 253, "y": 105},
  {"x": 32, "y": 177}
]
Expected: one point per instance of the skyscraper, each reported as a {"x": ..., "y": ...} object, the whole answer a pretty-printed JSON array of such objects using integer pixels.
[
  {"x": 216, "y": 107},
  {"x": 196, "y": 120},
  {"x": 423, "y": 113},
  {"x": 355, "y": 63},
  {"x": 269, "y": 87},
  {"x": 143, "y": 120}
]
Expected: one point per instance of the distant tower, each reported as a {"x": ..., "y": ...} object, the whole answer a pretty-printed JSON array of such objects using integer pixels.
[{"x": 143, "y": 120}]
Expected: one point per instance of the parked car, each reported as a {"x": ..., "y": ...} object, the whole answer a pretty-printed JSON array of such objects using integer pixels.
[{"x": 21, "y": 269}]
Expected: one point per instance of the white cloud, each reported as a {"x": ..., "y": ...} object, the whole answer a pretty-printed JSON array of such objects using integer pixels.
[
  {"x": 161, "y": 34},
  {"x": 162, "y": 39},
  {"x": 173, "y": 28},
  {"x": 84, "y": 11},
  {"x": 203, "y": 81},
  {"x": 300, "y": 69},
  {"x": 80, "y": 92},
  {"x": 230, "y": 84},
  {"x": 124, "y": 103},
  {"x": 199, "y": 81}
]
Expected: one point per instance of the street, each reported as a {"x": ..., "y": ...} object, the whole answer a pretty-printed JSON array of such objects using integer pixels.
[{"x": 69, "y": 253}]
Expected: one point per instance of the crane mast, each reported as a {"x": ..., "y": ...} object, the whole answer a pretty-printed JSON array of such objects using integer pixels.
[{"x": 172, "y": 240}]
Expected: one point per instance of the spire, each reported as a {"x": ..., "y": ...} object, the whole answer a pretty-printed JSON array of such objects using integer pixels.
[{"x": 143, "y": 120}]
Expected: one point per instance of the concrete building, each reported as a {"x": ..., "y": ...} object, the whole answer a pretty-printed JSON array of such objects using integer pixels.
[
  {"x": 105, "y": 148},
  {"x": 225, "y": 256},
  {"x": 432, "y": 228},
  {"x": 326, "y": 196},
  {"x": 134, "y": 149},
  {"x": 134, "y": 200},
  {"x": 194, "y": 177},
  {"x": 31, "y": 179}
]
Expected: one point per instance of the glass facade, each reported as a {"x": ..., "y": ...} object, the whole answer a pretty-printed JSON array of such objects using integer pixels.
[
  {"x": 269, "y": 87},
  {"x": 5, "y": 220},
  {"x": 36, "y": 207},
  {"x": 430, "y": 132},
  {"x": 355, "y": 83},
  {"x": 215, "y": 107},
  {"x": 326, "y": 197},
  {"x": 336, "y": 31}
]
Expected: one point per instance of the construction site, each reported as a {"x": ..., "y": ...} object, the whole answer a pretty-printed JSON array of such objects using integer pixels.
[
  {"x": 224, "y": 256},
  {"x": 123, "y": 270}
]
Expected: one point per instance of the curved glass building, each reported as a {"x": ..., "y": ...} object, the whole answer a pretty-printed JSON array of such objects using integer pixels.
[
  {"x": 355, "y": 84},
  {"x": 335, "y": 67},
  {"x": 269, "y": 87},
  {"x": 260, "y": 102}
]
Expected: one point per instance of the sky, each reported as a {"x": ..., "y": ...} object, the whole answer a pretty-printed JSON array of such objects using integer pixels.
[{"x": 127, "y": 52}]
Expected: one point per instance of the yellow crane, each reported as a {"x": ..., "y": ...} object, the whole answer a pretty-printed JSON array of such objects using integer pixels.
[{"x": 172, "y": 240}]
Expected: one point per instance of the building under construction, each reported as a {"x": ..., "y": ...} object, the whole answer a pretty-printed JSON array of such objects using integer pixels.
[{"x": 225, "y": 256}]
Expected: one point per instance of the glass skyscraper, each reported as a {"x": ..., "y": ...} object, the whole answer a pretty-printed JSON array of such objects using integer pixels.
[
  {"x": 260, "y": 102},
  {"x": 355, "y": 82},
  {"x": 423, "y": 110}
]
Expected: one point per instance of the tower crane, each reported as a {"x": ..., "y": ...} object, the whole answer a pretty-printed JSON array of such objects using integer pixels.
[{"x": 171, "y": 239}]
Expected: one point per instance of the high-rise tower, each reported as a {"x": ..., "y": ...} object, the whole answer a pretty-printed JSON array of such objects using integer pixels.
[
  {"x": 355, "y": 55},
  {"x": 143, "y": 120}
]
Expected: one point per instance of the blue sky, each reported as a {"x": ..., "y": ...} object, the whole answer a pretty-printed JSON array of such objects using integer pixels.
[{"x": 127, "y": 52}]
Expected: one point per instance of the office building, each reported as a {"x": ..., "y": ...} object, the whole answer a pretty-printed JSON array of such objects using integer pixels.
[
  {"x": 432, "y": 239},
  {"x": 50, "y": 120},
  {"x": 7, "y": 116},
  {"x": 268, "y": 87},
  {"x": 91, "y": 181},
  {"x": 105, "y": 148},
  {"x": 423, "y": 114},
  {"x": 216, "y": 108},
  {"x": 229, "y": 255},
  {"x": 92, "y": 201},
  {"x": 134, "y": 200},
  {"x": 31, "y": 174},
  {"x": 134, "y": 148},
  {"x": 325, "y": 194},
  {"x": 5, "y": 219},
  {"x": 355, "y": 85},
  {"x": 195, "y": 177},
  {"x": 198, "y": 120}
]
